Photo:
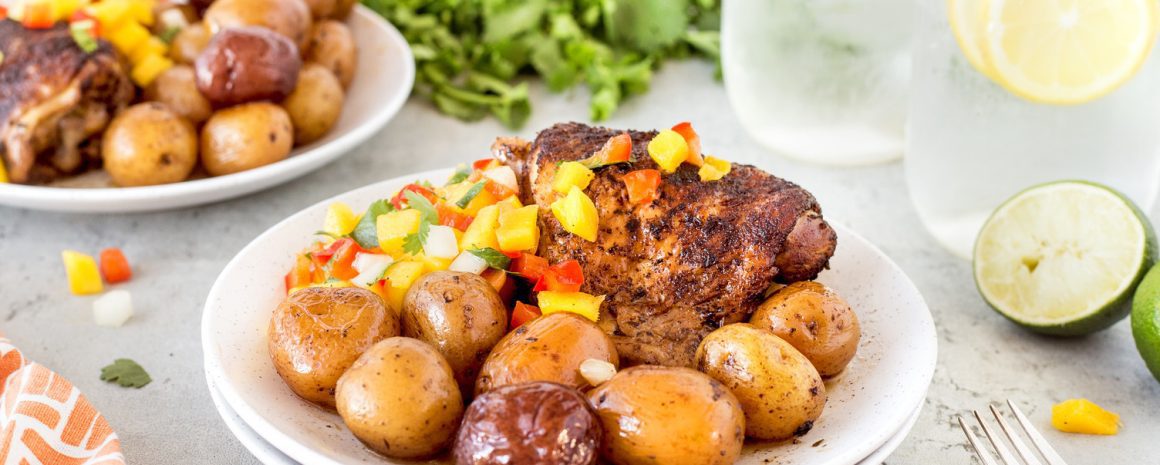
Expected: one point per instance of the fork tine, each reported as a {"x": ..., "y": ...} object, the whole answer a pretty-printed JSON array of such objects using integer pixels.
[
  {"x": 996, "y": 441},
  {"x": 1020, "y": 447},
  {"x": 1049, "y": 454},
  {"x": 984, "y": 456}
]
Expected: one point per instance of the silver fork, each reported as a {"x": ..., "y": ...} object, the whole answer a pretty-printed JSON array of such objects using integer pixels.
[{"x": 1021, "y": 448}]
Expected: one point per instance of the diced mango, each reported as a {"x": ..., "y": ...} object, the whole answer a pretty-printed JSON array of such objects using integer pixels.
[
  {"x": 433, "y": 263},
  {"x": 149, "y": 68},
  {"x": 62, "y": 9},
  {"x": 142, "y": 11},
  {"x": 481, "y": 233},
  {"x": 151, "y": 46},
  {"x": 714, "y": 168},
  {"x": 1085, "y": 417},
  {"x": 3, "y": 171},
  {"x": 518, "y": 230},
  {"x": 509, "y": 203},
  {"x": 668, "y": 149},
  {"x": 455, "y": 192},
  {"x": 393, "y": 228},
  {"x": 586, "y": 305},
  {"x": 400, "y": 276},
  {"x": 570, "y": 174},
  {"x": 83, "y": 276},
  {"x": 128, "y": 36},
  {"x": 111, "y": 14},
  {"x": 577, "y": 214},
  {"x": 340, "y": 220}
]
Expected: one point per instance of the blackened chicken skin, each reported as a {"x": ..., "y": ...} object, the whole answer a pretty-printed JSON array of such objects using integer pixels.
[{"x": 698, "y": 257}]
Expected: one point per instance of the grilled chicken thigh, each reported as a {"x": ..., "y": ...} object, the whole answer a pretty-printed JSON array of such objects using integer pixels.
[
  {"x": 700, "y": 256},
  {"x": 54, "y": 98}
]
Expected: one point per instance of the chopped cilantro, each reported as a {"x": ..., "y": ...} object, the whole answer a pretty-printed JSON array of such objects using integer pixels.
[
  {"x": 366, "y": 232},
  {"x": 494, "y": 258},
  {"x": 126, "y": 373},
  {"x": 413, "y": 243}
]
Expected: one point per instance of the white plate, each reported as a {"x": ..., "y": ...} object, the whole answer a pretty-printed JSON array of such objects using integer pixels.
[
  {"x": 867, "y": 404},
  {"x": 386, "y": 72},
  {"x": 879, "y": 456}
]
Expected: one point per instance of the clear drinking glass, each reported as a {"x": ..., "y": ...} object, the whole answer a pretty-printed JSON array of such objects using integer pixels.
[
  {"x": 972, "y": 144},
  {"x": 823, "y": 81}
]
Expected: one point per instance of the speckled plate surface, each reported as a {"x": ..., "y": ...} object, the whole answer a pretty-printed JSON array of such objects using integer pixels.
[
  {"x": 386, "y": 72},
  {"x": 872, "y": 400}
]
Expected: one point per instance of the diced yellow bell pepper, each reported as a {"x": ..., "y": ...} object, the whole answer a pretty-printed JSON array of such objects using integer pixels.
[
  {"x": 509, "y": 203},
  {"x": 669, "y": 149},
  {"x": 152, "y": 46},
  {"x": 454, "y": 192},
  {"x": 570, "y": 174},
  {"x": 481, "y": 233},
  {"x": 577, "y": 214},
  {"x": 83, "y": 276},
  {"x": 149, "y": 68},
  {"x": 1084, "y": 416},
  {"x": 714, "y": 168},
  {"x": 340, "y": 220},
  {"x": 586, "y": 305},
  {"x": 518, "y": 229},
  {"x": 400, "y": 276},
  {"x": 128, "y": 36},
  {"x": 393, "y": 228}
]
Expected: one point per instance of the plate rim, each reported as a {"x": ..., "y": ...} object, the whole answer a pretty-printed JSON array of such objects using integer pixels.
[
  {"x": 209, "y": 190},
  {"x": 297, "y": 451}
]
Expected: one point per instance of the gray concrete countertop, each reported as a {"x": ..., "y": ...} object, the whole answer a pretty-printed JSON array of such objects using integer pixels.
[{"x": 178, "y": 254}]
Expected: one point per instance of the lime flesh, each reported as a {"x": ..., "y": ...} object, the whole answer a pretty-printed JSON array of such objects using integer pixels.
[
  {"x": 1064, "y": 258},
  {"x": 1146, "y": 320}
]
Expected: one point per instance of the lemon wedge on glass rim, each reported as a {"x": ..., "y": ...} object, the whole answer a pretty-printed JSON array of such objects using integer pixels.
[{"x": 1056, "y": 51}]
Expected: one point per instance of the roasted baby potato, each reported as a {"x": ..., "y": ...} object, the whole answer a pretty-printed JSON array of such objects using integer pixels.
[
  {"x": 245, "y": 137},
  {"x": 247, "y": 64},
  {"x": 400, "y": 399},
  {"x": 177, "y": 89},
  {"x": 655, "y": 415},
  {"x": 188, "y": 44},
  {"x": 332, "y": 45},
  {"x": 548, "y": 348},
  {"x": 460, "y": 314},
  {"x": 342, "y": 8},
  {"x": 321, "y": 9},
  {"x": 316, "y": 333},
  {"x": 816, "y": 321},
  {"x": 781, "y": 392},
  {"x": 539, "y": 422},
  {"x": 290, "y": 18},
  {"x": 315, "y": 104},
  {"x": 149, "y": 144}
]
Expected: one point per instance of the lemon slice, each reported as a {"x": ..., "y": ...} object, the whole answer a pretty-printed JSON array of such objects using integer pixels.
[
  {"x": 1067, "y": 51},
  {"x": 968, "y": 20}
]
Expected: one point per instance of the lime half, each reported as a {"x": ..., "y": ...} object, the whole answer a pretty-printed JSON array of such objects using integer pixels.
[
  {"x": 1064, "y": 258},
  {"x": 1146, "y": 320}
]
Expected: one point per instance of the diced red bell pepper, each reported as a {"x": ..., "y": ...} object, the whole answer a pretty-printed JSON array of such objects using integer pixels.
[
  {"x": 565, "y": 276},
  {"x": 512, "y": 254},
  {"x": 642, "y": 185},
  {"x": 321, "y": 255},
  {"x": 37, "y": 14},
  {"x": 81, "y": 15},
  {"x": 503, "y": 285},
  {"x": 523, "y": 313},
  {"x": 498, "y": 190},
  {"x": 455, "y": 219},
  {"x": 484, "y": 164},
  {"x": 617, "y": 149},
  {"x": 341, "y": 263},
  {"x": 400, "y": 200},
  {"x": 114, "y": 267},
  {"x": 529, "y": 266},
  {"x": 300, "y": 275},
  {"x": 3, "y": 13},
  {"x": 685, "y": 129}
]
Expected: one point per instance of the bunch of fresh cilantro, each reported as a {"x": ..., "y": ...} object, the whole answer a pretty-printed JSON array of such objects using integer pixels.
[{"x": 469, "y": 52}]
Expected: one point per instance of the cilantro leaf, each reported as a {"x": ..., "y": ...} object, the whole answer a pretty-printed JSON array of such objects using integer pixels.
[
  {"x": 413, "y": 243},
  {"x": 470, "y": 195},
  {"x": 366, "y": 232},
  {"x": 494, "y": 258},
  {"x": 126, "y": 373},
  {"x": 426, "y": 209}
]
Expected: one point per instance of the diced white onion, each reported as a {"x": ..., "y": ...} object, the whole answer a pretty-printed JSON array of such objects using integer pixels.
[
  {"x": 441, "y": 243},
  {"x": 113, "y": 309},
  {"x": 503, "y": 175},
  {"x": 468, "y": 262},
  {"x": 174, "y": 18},
  {"x": 596, "y": 372},
  {"x": 370, "y": 267}
]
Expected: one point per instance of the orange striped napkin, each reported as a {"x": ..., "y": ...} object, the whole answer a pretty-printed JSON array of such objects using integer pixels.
[{"x": 46, "y": 420}]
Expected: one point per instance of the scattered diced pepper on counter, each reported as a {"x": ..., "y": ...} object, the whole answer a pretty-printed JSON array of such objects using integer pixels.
[
  {"x": 114, "y": 266},
  {"x": 1085, "y": 417},
  {"x": 83, "y": 276}
]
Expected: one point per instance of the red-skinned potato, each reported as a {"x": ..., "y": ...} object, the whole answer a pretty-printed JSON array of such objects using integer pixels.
[
  {"x": 290, "y": 18},
  {"x": 247, "y": 64},
  {"x": 524, "y": 423}
]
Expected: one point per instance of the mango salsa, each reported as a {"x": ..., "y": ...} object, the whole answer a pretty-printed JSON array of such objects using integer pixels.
[
  {"x": 150, "y": 47},
  {"x": 455, "y": 192},
  {"x": 128, "y": 36},
  {"x": 400, "y": 276},
  {"x": 1085, "y": 417},
  {"x": 518, "y": 230},
  {"x": 149, "y": 68},
  {"x": 481, "y": 233},
  {"x": 714, "y": 168},
  {"x": 668, "y": 149},
  {"x": 83, "y": 276},
  {"x": 586, "y": 305},
  {"x": 577, "y": 214},
  {"x": 570, "y": 174},
  {"x": 340, "y": 220},
  {"x": 393, "y": 228}
]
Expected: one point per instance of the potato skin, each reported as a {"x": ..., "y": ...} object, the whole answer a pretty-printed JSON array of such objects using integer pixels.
[
  {"x": 315, "y": 104},
  {"x": 321, "y": 8},
  {"x": 678, "y": 415},
  {"x": 780, "y": 391},
  {"x": 816, "y": 321},
  {"x": 460, "y": 314},
  {"x": 548, "y": 348},
  {"x": 290, "y": 18},
  {"x": 149, "y": 144},
  {"x": 400, "y": 399},
  {"x": 189, "y": 43},
  {"x": 523, "y": 423},
  {"x": 177, "y": 89},
  {"x": 317, "y": 333},
  {"x": 332, "y": 45},
  {"x": 342, "y": 8},
  {"x": 245, "y": 137},
  {"x": 247, "y": 64}
]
